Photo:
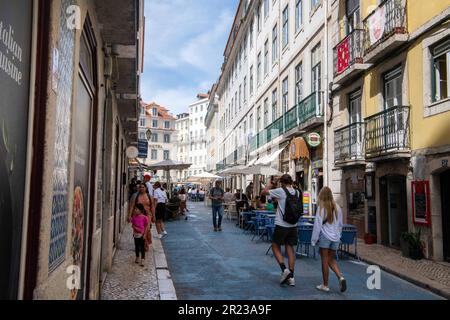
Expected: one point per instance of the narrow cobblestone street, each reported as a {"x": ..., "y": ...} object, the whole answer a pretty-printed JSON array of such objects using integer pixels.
[
  {"x": 127, "y": 280},
  {"x": 228, "y": 265}
]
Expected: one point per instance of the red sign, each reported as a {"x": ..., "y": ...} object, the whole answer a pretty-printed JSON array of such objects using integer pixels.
[
  {"x": 343, "y": 55},
  {"x": 420, "y": 191}
]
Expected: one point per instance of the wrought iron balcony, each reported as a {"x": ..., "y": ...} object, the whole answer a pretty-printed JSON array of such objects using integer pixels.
[
  {"x": 298, "y": 116},
  {"x": 348, "y": 56},
  {"x": 349, "y": 143},
  {"x": 387, "y": 132},
  {"x": 384, "y": 29}
]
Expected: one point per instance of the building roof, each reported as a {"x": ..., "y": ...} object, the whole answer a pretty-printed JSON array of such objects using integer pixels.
[{"x": 163, "y": 112}]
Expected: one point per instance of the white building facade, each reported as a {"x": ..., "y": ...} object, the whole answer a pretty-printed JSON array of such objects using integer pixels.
[
  {"x": 182, "y": 143},
  {"x": 273, "y": 89},
  {"x": 197, "y": 135}
]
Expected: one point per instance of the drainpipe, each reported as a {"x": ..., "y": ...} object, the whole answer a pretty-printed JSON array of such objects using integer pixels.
[{"x": 325, "y": 101}]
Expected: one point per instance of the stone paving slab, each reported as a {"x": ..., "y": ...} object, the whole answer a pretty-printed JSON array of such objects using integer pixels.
[
  {"x": 432, "y": 275},
  {"x": 127, "y": 280}
]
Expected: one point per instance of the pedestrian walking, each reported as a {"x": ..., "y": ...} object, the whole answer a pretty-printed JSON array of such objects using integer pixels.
[
  {"x": 326, "y": 235},
  {"x": 183, "y": 204},
  {"x": 216, "y": 195},
  {"x": 140, "y": 223},
  {"x": 144, "y": 198},
  {"x": 160, "y": 211},
  {"x": 147, "y": 182},
  {"x": 289, "y": 211}
]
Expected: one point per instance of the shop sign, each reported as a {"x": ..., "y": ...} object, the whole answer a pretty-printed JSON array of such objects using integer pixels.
[
  {"x": 306, "y": 197},
  {"x": 143, "y": 149},
  {"x": 317, "y": 164},
  {"x": 314, "y": 139}
]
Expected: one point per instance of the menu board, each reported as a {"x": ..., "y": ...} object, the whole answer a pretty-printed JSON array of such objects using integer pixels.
[{"x": 421, "y": 202}]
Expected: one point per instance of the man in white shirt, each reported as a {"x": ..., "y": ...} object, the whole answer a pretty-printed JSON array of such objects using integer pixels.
[
  {"x": 161, "y": 199},
  {"x": 285, "y": 233},
  {"x": 147, "y": 179}
]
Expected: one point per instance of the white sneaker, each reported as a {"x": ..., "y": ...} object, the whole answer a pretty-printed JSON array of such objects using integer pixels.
[
  {"x": 165, "y": 233},
  {"x": 137, "y": 261},
  {"x": 142, "y": 262},
  {"x": 291, "y": 282},
  {"x": 284, "y": 275},
  {"x": 323, "y": 288},
  {"x": 161, "y": 236}
]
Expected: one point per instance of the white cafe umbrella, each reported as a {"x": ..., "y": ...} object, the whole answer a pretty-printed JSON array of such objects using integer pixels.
[
  {"x": 203, "y": 177},
  {"x": 262, "y": 170},
  {"x": 168, "y": 165}
]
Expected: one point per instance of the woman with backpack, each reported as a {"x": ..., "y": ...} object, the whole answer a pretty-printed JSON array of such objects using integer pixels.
[
  {"x": 326, "y": 235},
  {"x": 144, "y": 198}
]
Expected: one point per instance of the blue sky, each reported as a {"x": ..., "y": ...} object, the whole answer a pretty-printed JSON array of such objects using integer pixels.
[{"x": 184, "y": 45}]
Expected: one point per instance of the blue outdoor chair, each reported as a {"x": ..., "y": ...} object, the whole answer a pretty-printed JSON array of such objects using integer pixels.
[
  {"x": 249, "y": 224},
  {"x": 304, "y": 239},
  {"x": 348, "y": 238}
]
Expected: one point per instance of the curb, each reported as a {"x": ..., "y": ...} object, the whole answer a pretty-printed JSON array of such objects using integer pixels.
[
  {"x": 165, "y": 283},
  {"x": 416, "y": 282}
]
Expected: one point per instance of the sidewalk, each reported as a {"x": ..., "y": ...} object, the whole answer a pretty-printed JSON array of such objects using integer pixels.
[
  {"x": 434, "y": 276},
  {"x": 129, "y": 281}
]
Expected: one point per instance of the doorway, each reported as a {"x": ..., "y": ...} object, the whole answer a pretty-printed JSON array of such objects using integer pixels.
[
  {"x": 445, "y": 192},
  {"x": 395, "y": 217}
]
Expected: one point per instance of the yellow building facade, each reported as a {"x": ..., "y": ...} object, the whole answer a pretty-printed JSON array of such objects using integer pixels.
[{"x": 390, "y": 130}]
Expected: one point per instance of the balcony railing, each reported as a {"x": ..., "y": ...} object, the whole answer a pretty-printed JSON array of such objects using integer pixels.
[
  {"x": 349, "y": 142},
  {"x": 388, "y": 19},
  {"x": 387, "y": 131},
  {"x": 349, "y": 51},
  {"x": 307, "y": 109}
]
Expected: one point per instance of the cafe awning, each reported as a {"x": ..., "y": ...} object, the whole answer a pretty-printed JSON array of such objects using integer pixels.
[{"x": 269, "y": 158}]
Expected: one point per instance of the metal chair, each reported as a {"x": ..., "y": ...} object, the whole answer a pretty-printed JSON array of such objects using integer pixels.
[
  {"x": 348, "y": 238},
  {"x": 304, "y": 239}
]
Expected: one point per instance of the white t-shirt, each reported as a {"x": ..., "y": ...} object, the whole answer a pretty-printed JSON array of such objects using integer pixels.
[
  {"x": 280, "y": 195},
  {"x": 150, "y": 188},
  {"x": 160, "y": 196}
]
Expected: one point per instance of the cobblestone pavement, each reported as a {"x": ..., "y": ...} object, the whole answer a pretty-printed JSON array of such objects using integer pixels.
[
  {"x": 427, "y": 273},
  {"x": 208, "y": 265},
  {"x": 127, "y": 280}
]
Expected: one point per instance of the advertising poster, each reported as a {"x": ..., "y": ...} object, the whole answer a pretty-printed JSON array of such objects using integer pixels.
[{"x": 15, "y": 55}]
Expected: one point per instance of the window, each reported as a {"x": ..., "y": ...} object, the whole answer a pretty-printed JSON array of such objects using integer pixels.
[
  {"x": 274, "y": 105},
  {"x": 235, "y": 104},
  {"x": 245, "y": 89},
  {"x": 155, "y": 112},
  {"x": 393, "y": 88},
  {"x": 142, "y": 136},
  {"x": 258, "y": 70},
  {"x": 314, "y": 4},
  {"x": 285, "y": 101},
  {"x": 251, "y": 34},
  {"x": 166, "y": 155},
  {"x": 285, "y": 39},
  {"x": 274, "y": 43},
  {"x": 258, "y": 119},
  {"x": 245, "y": 47},
  {"x": 192, "y": 146},
  {"x": 266, "y": 57},
  {"x": 299, "y": 83},
  {"x": 240, "y": 97},
  {"x": 259, "y": 18},
  {"x": 154, "y": 137},
  {"x": 441, "y": 71},
  {"x": 316, "y": 69},
  {"x": 266, "y": 9},
  {"x": 167, "y": 124},
  {"x": 251, "y": 80},
  {"x": 352, "y": 15},
  {"x": 266, "y": 112},
  {"x": 354, "y": 107},
  {"x": 299, "y": 14},
  {"x": 143, "y": 111},
  {"x": 167, "y": 138},
  {"x": 251, "y": 123},
  {"x": 142, "y": 122},
  {"x": 154, "y": 154},
  {"x": 155, "y": 123}
]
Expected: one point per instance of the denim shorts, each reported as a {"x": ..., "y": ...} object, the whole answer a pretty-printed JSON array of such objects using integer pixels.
[{"x": 324, "y": 243}]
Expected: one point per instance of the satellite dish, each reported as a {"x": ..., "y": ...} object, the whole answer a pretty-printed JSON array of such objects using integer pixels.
[{"x": 132, "y": 152}]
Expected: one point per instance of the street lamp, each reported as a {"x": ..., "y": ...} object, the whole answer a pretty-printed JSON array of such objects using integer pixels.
[{"x": 148, "y": 134}]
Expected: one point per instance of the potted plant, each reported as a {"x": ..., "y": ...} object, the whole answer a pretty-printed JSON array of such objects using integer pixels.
[
  {"x": 370, "y": 238},
  {"x": 412, "y": 245}
]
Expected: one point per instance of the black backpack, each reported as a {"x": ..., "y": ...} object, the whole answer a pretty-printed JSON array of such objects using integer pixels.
[{"x": 294, "y": 207}]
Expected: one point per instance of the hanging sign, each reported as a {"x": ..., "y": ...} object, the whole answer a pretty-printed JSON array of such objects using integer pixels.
[
  {"x": 314, "y": 139},
  {"x": 421, "y": 202}
]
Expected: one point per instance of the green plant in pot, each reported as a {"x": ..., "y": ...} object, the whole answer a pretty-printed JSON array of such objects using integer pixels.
[{"x": 412, "y": 245}]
